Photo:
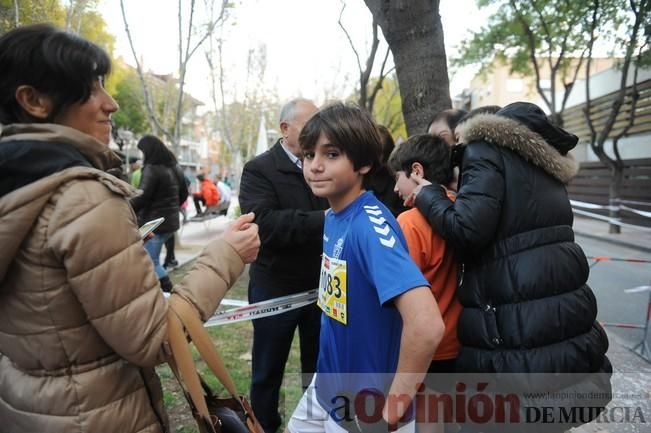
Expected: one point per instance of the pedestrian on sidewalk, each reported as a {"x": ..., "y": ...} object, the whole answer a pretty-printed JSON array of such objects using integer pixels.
[
  {"x": 208, "y": 195},
  {"x": 83, "y": 321},
  {"x": 170, "y": 244},
  {"x": 162, "y": 195}
]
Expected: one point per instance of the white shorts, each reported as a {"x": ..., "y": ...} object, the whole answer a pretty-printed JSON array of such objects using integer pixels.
[{"x": 310, "y": 417}]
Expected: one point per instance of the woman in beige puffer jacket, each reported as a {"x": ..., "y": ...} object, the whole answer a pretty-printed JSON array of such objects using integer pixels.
[{"x": 82, "y": 316}]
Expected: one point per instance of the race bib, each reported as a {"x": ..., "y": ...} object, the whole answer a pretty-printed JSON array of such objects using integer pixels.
[{"x": 332, "y": 289}]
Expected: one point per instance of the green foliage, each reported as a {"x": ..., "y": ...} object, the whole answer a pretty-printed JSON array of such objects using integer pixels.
[
  {"x": 387, "y": 106},
  {"x": 83, "y": 19},
  {"x": 387, "y": 109},
  {"x": 551, "y": 39},
  {"x": 30, "y": 12},
  {"x": 128, "y": 94},
  {"x": 533, "y": 28},
  {"x": 93, "y": 27}
]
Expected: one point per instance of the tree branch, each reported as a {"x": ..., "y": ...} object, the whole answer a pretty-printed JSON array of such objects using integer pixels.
[
  {"x": 350, "y": 41},
  {"x": 145, "y": 90},
  {"x": 568, "y": 86},
  {"x": 548, "y": 34},
  {"x": 635, "y": 96},
  {"x": 532, "y": 51},
  {"x": 379, "y": 83},
  {"x": 596, "y": 148},
  {"x": 619, "y": 99}
]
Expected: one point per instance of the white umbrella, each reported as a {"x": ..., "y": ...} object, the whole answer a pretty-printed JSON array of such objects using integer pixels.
[{"x": 262, "y": 145}]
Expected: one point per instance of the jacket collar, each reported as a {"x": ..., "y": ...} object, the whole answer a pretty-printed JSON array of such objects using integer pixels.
[
  {"x": 512, "y": 135},
  {"x": 282, "y": 161},
  {"x": 97, "y": 153}
]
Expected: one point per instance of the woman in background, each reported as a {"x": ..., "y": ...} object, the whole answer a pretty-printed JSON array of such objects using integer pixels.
[{"x": 163, "y": 191}]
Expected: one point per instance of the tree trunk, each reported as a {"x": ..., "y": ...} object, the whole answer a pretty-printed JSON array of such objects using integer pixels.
[
  {"x": 615, "y": 186},
  {"x": 414, "y": 32}
]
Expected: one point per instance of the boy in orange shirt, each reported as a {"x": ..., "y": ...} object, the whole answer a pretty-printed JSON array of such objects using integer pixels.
[
  {"x": 429, "y": 157},
  {"x": 209, "y": 194}
]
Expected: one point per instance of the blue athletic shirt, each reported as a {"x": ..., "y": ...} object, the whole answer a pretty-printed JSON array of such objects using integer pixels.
[{"x": 378, "y": 268}]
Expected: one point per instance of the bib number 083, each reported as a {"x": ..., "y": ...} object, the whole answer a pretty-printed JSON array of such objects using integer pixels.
[{"x": 332, "y": 289}]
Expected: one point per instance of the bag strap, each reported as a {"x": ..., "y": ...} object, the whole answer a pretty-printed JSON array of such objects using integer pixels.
[
  {"x": 183, "y": 367},
  {"x": 189, "y": 317}
]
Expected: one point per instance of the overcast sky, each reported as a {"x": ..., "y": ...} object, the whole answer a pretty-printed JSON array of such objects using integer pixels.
[{"x": 307, "y": 53}]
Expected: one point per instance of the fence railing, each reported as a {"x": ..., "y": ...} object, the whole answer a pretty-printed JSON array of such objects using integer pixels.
[{"x": 600, "y": 109}]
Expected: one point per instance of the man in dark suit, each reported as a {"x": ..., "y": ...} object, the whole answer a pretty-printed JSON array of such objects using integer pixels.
[{"x": 290, "y": 219}]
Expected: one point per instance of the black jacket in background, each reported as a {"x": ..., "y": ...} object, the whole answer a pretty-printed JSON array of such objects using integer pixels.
[
  {"x": 160, "y": 197},
  {"x": 291, "y": 221},
  {"x": 526, "y": 305},
  {"x": 382, "y": 184}
]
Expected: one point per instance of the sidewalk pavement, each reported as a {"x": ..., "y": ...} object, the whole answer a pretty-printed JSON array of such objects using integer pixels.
[
  {"x": 631, "y": 387},
  {"x": 596, "y": 229},
  {"x": 193, "y": 236},
  {"x": 632, "y": 374}
]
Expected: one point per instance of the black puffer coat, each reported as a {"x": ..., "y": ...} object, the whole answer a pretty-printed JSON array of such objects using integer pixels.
[
  {"x": 161, "y": 197},
  {"x": 527, "y": 307}
]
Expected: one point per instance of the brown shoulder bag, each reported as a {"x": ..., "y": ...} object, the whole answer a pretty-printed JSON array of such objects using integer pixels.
[{"x": 213, "y": 415}]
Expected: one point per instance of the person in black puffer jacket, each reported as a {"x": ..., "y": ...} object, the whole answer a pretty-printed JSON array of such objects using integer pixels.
[
  {"x": 526, "y": 305},
  {"x": 161, "y": 197}
]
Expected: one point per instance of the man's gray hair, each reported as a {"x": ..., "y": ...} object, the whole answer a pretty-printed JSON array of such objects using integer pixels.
[{"x": 288, "y": 112}]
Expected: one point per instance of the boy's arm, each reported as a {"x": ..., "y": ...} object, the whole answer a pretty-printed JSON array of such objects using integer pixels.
[{"x": 422, "y": 331}]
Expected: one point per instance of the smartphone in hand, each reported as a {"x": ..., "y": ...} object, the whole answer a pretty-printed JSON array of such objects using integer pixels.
[{"x": 149, "y": 227}]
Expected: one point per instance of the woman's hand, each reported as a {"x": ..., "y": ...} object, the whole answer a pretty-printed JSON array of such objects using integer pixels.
[
  {"x": 242, "y": 235},
  {"x": 421, "y": 182}
]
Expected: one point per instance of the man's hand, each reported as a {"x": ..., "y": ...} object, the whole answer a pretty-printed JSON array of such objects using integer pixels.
[{"x": 242, "y": 235}]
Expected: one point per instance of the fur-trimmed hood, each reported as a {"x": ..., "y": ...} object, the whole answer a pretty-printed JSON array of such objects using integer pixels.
[{"x": 513, "y": 135}]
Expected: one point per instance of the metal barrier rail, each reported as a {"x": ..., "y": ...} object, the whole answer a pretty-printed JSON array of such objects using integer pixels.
[
  {"x": 598, "y": 259},
  {"x": 610, "y": 220},
  {"x": 620, "y": 207},
  {"x": 642, "y": 348}
]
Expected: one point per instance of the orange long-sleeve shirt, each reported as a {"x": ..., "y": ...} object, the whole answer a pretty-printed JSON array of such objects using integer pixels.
[{"x": 437, "y": 264}]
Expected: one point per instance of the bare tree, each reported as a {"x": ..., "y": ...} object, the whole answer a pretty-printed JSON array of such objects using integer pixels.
[
  {"x": 217, "y": 74},
  {"x": 238, "y": 120},
  {"x": 190, "y": 40},
  {"x": 367, "y": 99},
  {"x": 74, "y": 10},
  {"x": 626, "y": 96},
  {"x": 414, "y": 32}
]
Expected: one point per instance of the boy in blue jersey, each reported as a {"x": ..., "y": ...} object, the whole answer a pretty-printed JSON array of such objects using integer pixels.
[{"x": 380, "y": 324}]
